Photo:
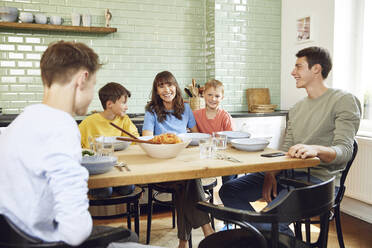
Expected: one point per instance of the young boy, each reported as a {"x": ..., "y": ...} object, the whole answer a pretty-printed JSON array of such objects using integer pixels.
[
  {"x": 114, "y": 98},
  {"x": 44, "y": 187},
  {"x": 211, "y": 118}
]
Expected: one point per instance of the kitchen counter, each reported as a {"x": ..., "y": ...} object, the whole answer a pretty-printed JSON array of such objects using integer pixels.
[{"x": 6, "y": 119}]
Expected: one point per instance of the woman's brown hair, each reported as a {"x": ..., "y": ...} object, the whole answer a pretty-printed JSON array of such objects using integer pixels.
[{"x": 156, "y": 104}]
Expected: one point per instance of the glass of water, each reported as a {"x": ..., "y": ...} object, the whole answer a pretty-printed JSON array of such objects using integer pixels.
[
  {"x": 207, "y": 148},
  {"x": 221, "y": 141},
  {"x": 107, "y": 146}
]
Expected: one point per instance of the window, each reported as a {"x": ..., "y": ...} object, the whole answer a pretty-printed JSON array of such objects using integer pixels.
[{"x": 353, "y": 54}]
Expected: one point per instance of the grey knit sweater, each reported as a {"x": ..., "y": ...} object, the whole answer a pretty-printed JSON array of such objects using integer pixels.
[{"x": 330, "y": 120}]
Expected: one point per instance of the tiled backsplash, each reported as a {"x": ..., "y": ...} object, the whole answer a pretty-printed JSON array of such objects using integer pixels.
[{"x": 235, "y": 41}]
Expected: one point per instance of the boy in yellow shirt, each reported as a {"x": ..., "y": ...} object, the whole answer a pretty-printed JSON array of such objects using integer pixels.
[{"x": 113, "y": 97}]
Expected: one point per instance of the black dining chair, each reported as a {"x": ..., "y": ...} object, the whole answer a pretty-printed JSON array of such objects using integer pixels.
[
  {"x": 335, "y": 211},
  {"x": 297, "y": 204},
  {"x": 13, "y": 237},
  {"x": 155, "y": 190},
  {"x": 132, "y": 203}
]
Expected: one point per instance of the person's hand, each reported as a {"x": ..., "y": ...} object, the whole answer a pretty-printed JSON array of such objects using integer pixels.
[
  {"x": 269, "y": 186},
  {"x": 302, "y": 151}
]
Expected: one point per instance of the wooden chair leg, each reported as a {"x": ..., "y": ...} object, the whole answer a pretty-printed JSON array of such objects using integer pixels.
[
  {"x": 136, "y": 217},
  {"x": 307, "y": 229},
  {"x": 149, "y": 214},
  {"x": 190, "y": 241},
  {"x": 212, "y": 201},
  {"x": 338, "y": 227},
  {"x": 173, "y": 212},
  {"x": 129, "y": 216}
]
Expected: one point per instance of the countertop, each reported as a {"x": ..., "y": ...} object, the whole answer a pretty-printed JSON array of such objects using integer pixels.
[{"x": 137, "y": 118}]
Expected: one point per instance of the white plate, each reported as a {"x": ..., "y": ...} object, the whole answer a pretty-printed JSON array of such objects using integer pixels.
[
  {"x": 250, "y": 145},
  {"x": 235, "y": 135},
  {"x": 195, "y": 137}
]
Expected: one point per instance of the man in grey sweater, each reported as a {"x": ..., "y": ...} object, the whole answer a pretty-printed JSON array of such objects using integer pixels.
[{"x": 321, "y": 125}]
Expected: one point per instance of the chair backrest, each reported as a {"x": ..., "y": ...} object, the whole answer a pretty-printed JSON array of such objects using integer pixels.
[
  {"x": 341, "y": 191},
  {"x": 12, "y": 236},
  {"x": 303, "y": 202}
]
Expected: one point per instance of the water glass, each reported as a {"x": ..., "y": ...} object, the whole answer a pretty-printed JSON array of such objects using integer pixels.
[
  {"x": 207, "y": 148},
  {"x": 106, "y": 146},
  {"x": 221, "y": 141}
]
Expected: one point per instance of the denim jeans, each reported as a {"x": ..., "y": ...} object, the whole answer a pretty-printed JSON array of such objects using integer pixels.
[{"x": 239, "y": 192}]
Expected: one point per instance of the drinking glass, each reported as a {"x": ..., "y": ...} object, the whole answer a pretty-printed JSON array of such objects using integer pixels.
[
  {"x": 207, "y": 148},
  {"x": 221, "y": 141},
  {"x": 107, "y": 146}
]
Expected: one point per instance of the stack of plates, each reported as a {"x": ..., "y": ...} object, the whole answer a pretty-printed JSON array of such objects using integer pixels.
[
  {"x": 235, "y": 135},
  {"x": 263, "y": 108}
]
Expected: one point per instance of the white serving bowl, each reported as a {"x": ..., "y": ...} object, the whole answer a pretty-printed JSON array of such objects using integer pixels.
[
  {"x": 119, "y": 145},
  {"x": 163, "y": 150},
  {"x": 26, "y": 17},
  {"x": 98, "y": 164},
  {"x": 8, "y": 14},
  {"x": 250, "y": 145},
  {"x": 195, "y": 137},
  {"x": 235, "y": 135}
]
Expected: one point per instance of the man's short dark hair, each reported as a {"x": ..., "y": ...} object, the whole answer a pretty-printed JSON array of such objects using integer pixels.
[
  {"x": 317, "y": 55},
  {"x": 112, "y": 92}
]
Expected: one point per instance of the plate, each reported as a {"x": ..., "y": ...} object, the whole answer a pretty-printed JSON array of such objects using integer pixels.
[
  {"x": 235, "y": 135},
  {"x": 250, "y": 145},
  {"x": 98, "y": 164},
  {"x": 119, "y": 145}
]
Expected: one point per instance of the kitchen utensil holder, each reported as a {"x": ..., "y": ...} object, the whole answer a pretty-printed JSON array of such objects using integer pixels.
[{"x": 197, "y": 103}]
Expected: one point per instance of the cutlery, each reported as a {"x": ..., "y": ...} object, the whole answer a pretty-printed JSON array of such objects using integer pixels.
[
  {"x": 227, "y": 158},
  {"x": 121, "y": 165},
  {"x": 136, "y": 140},
  {"x": 126, "y": 132}
]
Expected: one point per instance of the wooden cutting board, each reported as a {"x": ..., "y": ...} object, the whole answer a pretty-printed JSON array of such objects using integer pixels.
[{"x": 257, "y": 96}]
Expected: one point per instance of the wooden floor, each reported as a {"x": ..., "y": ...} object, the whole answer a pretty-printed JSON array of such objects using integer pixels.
[{"x": 357, "y": 233}]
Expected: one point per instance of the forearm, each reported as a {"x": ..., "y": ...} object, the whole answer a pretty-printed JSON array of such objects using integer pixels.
[{"x": 325, "y": 154}]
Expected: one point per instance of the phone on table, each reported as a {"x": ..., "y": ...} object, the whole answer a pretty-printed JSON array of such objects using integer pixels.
[{"x": 274, "y": 154}]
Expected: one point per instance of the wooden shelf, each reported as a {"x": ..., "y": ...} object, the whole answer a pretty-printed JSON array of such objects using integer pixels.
[{"x": 50, "y": 27}]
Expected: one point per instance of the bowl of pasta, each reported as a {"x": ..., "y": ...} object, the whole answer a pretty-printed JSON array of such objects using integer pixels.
[{"x": 167, "y": 145}]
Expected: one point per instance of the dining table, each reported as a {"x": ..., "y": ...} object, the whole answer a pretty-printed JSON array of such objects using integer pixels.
[{"x": 143, "y": 169}]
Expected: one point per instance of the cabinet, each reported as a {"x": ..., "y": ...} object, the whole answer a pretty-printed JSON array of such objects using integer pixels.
[{"x": 265, "y": 126}]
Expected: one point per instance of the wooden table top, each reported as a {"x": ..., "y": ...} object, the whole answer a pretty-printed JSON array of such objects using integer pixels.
[{"x": 188, "y": 165}]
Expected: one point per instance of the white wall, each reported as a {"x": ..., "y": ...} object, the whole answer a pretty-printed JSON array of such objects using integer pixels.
[{"x": 322, "y": 25}]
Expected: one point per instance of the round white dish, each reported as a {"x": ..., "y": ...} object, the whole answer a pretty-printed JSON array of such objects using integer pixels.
[
  {"x": 195, "y": 137},
  {"x": 119, "y": 145},
  {"x": 163, "y": 150},
  {"x": 250, "y": 145},
  {"x": 26, "y": 17},
  {"x": 8, "y": 14},
  {"x": 235, "y": 135},
  {"x": 98, "y": 164}
]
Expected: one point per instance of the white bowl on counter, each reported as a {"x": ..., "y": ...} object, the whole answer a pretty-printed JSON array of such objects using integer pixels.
[
  {"x": 195, "y": 137},
  {"x": 163, "y": 150},
  {"x": 8, "y": 14},
  {"x": 235, "y": 135},
  {"x": 250, "y": 145}
]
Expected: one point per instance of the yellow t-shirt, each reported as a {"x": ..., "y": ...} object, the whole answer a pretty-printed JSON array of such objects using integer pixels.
[{"x": 96, "y": 124}]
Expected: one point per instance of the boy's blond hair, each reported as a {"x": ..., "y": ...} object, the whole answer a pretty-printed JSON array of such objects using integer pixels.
[{"x": 213, "y": 83}]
